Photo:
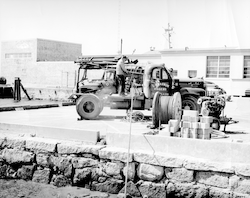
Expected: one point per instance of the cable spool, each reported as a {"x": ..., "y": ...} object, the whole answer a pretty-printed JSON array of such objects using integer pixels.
[
  {"x": 176, "y": 106},
  {"x": 156, "y": 109},
  {"x": 166, "y": 103},
  {"x": 170, "y": 107}
]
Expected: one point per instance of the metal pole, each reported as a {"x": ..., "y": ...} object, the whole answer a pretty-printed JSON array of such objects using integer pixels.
[
  {"x": 121, "y": 46},
  {"x": 129, "y": 142},
  {"x": 67, "y": 79}
]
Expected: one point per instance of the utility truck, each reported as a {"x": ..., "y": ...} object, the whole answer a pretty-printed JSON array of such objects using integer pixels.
[{"x": 150, "y": 86}]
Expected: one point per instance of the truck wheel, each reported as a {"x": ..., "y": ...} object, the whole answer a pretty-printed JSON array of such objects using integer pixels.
[
  {"x": 156, "y": 109},
  {"x": 89, "y": 106},
  {"x": 190, "y": 103}
]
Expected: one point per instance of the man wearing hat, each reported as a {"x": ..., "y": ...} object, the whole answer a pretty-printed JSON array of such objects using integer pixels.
[{"x": 121, "y": 71}]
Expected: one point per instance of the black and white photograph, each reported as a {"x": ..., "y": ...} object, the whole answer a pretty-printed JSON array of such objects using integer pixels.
[{"x": 124, "y": 98}]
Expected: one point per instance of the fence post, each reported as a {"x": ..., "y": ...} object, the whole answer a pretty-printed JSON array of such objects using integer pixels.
[{"x": 17, "y": 91}]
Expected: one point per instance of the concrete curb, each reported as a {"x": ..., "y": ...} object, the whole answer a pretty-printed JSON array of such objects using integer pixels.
[
  {"x": 87, "y": 136},
  {"x": 39, "y": 106}
]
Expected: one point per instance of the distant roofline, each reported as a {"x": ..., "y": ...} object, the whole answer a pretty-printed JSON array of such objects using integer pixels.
[
  {"x": 205, "y": 50},
  {"x": 58, "y": 41},
  {"x": 36, "y": 39},
  {"x": 128, "y": 55}
]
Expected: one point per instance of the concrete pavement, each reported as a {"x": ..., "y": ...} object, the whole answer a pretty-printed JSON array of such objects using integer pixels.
[{"x": 110, "y": 120}]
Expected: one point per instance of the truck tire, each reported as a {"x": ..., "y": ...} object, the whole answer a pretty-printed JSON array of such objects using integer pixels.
[
  {"x": 156, "y": 109},
  {"x": 190, "y": 103},
  {"x": 89, "y": 106}
]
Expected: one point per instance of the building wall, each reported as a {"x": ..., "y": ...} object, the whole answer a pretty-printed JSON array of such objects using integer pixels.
[
  {"x": 19, "y": 59},
  {"x": 182, "y": 61},
  {"x": 57, "y": 51}
]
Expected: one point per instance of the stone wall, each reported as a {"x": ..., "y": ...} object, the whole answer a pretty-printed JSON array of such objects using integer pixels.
[{"x": 103, "y": 168}]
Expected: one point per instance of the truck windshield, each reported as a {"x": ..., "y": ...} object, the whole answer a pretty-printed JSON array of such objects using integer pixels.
[{"x": 91, "y": 74}]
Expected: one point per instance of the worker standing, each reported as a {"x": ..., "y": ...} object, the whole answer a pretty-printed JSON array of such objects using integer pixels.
[{"x": 121, "y": 71}]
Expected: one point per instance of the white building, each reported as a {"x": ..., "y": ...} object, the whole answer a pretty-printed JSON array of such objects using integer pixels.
[{"x": 228, "y": 68}]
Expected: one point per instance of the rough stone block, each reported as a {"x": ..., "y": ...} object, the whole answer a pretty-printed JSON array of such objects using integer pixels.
[
  {"x": 41, "y": 144},
  {"x": 43, "y": 159},
  {"x": 74, "y": 148},
  {"x": 111, "y": 185},
  {"x": 159, "y": 159},
  {"x": 2, "y": 140},
  {"x": 98, "y": 174},
  {"x": 64, "y": 164},
  {"x": 42, "y": 176},
  {"x": 240, "y": 195},
  {"x": 150, "y": 172},
  {"x": 114, "y": 153},
  {"x": 180, "y": 174},
  {"x": 25, "y": 172},
  {"x": 149, "y": 189},
  {"x": 112, "y": 168},
  {"x": 82, "y": 176},
  {"x": 242, "y": 169},
  {"x": 243, "y": 186},
  {"x": 218, "y": 192},
  {"x": 17, "y": 156},
  {"x": 131, "y": 171},
  {"x": 220, "y": 180},
  {"x": 60, "y": 181},
  {"x": 3, "y": 171},
  {"x": 233, "y": 182},
  {"x": 80, "y": 162},
  {"x": 13, "y": 142},
  {"x": 200, "y": 165},
  {"x": 178, "y": 189},
  {"x": 132, "y": 190}
]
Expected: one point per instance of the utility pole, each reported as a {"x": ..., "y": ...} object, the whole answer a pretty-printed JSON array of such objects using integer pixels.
[{"x": 167, "y": 34}]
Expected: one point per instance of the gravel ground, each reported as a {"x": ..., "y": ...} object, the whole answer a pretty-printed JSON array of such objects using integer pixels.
[{"x": 28, "y": 189}]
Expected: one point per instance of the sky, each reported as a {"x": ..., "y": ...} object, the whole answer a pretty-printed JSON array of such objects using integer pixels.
[{"x": 99, "y": 25}]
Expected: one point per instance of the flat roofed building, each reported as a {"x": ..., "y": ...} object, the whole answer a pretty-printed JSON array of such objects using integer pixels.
[{"x": 40, "y": 62}]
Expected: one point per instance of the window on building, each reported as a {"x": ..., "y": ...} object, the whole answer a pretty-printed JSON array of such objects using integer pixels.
[
  {"x": 192, "y": 73},
  {"x": 17, "y": 55},
  {"x": 246, "y": 72},
  {"x": 218, "y": 67},
  {"x": 175, "y": 72}
]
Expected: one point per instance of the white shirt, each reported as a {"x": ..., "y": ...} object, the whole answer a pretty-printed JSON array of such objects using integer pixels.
[{"x": 120, "y": 68}]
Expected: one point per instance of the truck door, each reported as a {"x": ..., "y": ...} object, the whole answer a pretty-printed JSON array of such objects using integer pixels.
[{"x": 161, "y": 81}]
